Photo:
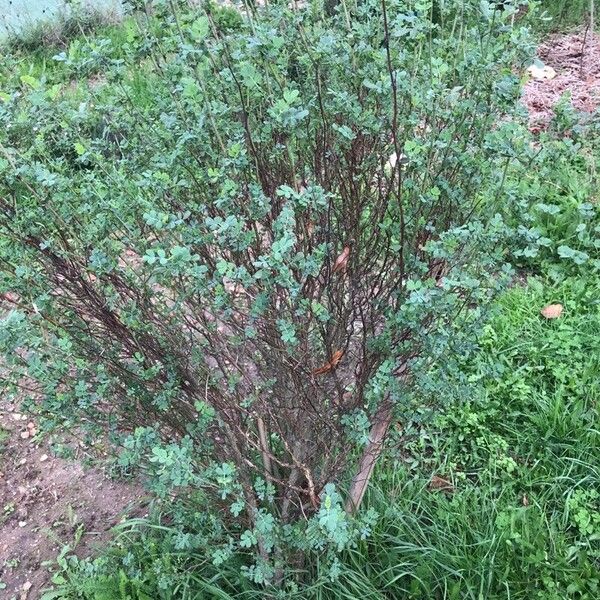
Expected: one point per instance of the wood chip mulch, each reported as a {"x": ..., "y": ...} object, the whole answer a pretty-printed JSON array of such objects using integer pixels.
[{"x": 576, "y": 59}]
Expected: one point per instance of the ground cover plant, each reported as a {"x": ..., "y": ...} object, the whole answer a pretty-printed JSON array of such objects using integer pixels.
[{"x": 250, "y": 249}]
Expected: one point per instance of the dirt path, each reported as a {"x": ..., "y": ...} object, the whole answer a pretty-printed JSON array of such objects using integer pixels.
[{"x": 44, "y": 501}]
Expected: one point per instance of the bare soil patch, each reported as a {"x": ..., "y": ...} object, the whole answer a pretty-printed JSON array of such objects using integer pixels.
[
  {"x": 575, "y": 57},
  {"x": 44, "y": 500}
]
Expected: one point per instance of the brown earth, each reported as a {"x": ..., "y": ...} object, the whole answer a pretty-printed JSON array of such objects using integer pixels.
[{"x": 45, "y": 502}]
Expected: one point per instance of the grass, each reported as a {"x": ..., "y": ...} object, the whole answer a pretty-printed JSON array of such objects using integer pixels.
[
  {"x": 524, "y": 457},
  {"x": 55, "y": 51},
  {"x": 59, "y": 31}
]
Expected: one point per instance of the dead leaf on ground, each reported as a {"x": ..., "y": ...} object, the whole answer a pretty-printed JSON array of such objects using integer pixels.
[
  {"x": 332, "y": 364},
  {"x": 25, "y": 590},
  {"x": 391, "y": 163},
  {"x": 439, "y": 484},
  {"x": 552, "y": 311}
]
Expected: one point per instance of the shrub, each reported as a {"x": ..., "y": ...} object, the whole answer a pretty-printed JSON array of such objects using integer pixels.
[
  {"x": 240, "y": 252},
  {"x": 518, "y": 447},
  {"x": 564, "y": 14}
]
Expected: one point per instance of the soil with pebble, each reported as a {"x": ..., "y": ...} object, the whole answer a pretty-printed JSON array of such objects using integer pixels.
[{"x": 47, "y": 502}]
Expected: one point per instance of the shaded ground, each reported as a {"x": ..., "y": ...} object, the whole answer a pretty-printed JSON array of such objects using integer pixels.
[
  {"x": 575, "y": 57},
  {"x": 44, "y": 502}
]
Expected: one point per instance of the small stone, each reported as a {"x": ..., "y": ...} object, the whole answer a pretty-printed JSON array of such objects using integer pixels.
[
  {"x": 31, "y": 425},
  {"x": 16, "y": 416},
  {"x": 43, "y": 458},
  {"x": 32, "y": 432},
  {"x": 23, "y": 461},
  {"x": 24, "y": 434},
  {"x": 22, "y": 523},
  {"x": 27, "y": 586},
  {"x": 541, "y": 72}
]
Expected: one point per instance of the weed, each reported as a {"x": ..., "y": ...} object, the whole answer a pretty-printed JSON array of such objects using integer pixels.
[{"x": 4, "y": 437}]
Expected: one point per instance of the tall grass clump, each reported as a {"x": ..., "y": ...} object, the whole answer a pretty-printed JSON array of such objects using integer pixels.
[
  {"x": 59, "y": 30},
  {"x": 239, "y": 250}
]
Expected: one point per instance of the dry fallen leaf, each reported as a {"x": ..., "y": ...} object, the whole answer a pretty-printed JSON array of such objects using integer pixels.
[
  {"x": 438, "y": 483},
  {"x": 332, "y": 364},
  {"x": 26, "y": 587},
  {"x": 337, "y": 356},
  {"x": 341, "y": 262},
  {"x": 525, "y": 500},
  {"x": 552, "y": 311},
  {"x": 544, "y": 72}
]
